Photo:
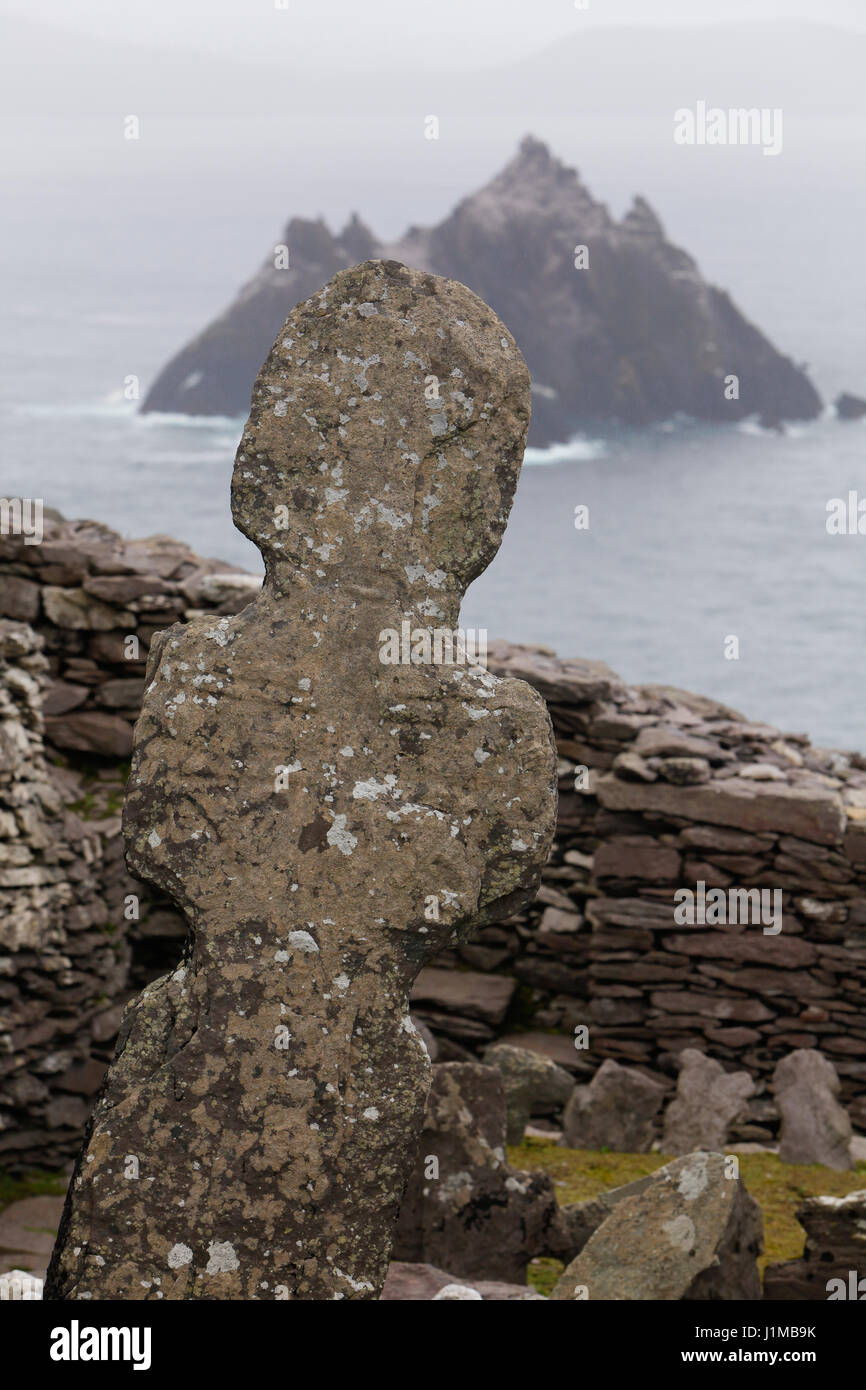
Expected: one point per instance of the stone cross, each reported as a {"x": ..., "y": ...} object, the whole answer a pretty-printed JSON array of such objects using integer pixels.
[{"x": 329, "y": 809}]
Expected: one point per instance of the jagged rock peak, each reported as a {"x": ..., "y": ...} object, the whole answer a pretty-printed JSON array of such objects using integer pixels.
[
  {"x": 308, "y": 236},
  {"x": 357, "y": 239},
  {"x": 514, "y": 242},
  {"x": 535, "y": 183},
  {"x": 643, "y": 219}
]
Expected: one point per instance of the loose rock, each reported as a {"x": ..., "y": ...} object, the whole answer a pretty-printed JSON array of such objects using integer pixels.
[
  {"x": 815, "y": 1127},
  {"x": 617, "y": 1110},
  {"x": 707, "y": 1102},
  {"x": 691, "y": 1233},
  {"x": 534, "y": 1085}
]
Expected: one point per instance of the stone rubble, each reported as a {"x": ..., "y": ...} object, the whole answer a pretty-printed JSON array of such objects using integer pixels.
[
  {"x": 465, "y": 1209},
  {"x": 407, "y": 1281},
  {"x": 835, "y": 1243}
]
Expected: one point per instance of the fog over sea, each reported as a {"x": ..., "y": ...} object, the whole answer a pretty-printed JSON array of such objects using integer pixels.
[{"x": 695, "y": 533}]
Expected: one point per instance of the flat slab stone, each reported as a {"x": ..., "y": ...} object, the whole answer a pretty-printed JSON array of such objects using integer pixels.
[
  {"x": 807, "y": 813},
  {"x": 533, "y": 1085},
  {"x": 468, "y": 992},
  {"x": 554, "y": 1046},
  {"x": 28, "y": 1230},
  {"x": 327, "y": 814}
]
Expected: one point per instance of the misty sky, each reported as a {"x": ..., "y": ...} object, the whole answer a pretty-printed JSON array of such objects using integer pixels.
[{"x": 461, "y": 33}]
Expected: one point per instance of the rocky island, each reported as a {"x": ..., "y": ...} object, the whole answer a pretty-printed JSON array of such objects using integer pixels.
[{"x": 615, "y": 322}]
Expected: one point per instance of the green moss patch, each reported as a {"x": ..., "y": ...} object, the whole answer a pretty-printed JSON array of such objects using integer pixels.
[{"x": 37, "y": 1183}]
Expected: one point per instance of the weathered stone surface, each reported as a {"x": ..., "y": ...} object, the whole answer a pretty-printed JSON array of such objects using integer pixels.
[
  {"x": 685, "y": 772},
  {"x": 553, "y": 919},
  {"x": 719, "y": 838},
  {"x": 583, "y": 1218},
  {"x": 29, "y": 1226},
  {"x": 302, "y": 801},
  {"x": 64, "y": 696},
  {"x": 558, "y": 1049},
  {"x": 122, "y": 694},
  {"x": 574, "y": 680},
  {"x": 227, "y": 592},
  {"x": 855, "y": 842},
  {"x": 707, "y": 1102},
  {"x": 465, "y": 1209},
  {"x": 631, "y": 767},
  {"x": 710, "y": 1006},
  {"x": 534, "y": 1085},
  {"x": 664, "y": 741},
  {"x": 121, "y": 588},
  {"x": 649, "y": 986},
  {"x": 617, "y": 1110},
  {"x": 421, "y": 1281},
  {"x": 815, "y": 1127},
  {"x": 835, "y": 1243},
  {"x": 690, "y": 1233}
]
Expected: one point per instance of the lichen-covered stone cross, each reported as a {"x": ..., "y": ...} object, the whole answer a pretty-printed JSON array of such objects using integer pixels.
[{"x": 326, "y": 820}]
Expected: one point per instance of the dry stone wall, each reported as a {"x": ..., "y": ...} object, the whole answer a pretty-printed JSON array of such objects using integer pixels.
[
  {"x": 62, "y": 962},
  {"x": 681, "y": 790},
  {"x": 684, "y": 791}
]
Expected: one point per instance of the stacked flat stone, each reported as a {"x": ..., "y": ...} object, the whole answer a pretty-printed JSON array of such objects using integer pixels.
[{"x": 60, "y": 960}]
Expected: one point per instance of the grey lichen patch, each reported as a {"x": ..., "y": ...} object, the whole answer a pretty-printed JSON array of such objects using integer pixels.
[{"x": 301, "y": 802}]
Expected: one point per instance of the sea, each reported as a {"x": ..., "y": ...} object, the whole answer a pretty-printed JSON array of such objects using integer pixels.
[{"x": 696, "y": 534}]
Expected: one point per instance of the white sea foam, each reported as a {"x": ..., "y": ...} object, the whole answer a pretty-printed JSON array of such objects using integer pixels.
[
  {"x": 577, "y": 450},
  {"x": 158, "y": 418}
]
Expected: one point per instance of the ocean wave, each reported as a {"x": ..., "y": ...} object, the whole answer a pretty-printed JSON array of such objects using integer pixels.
[
  {"x": 115, "y": 408},
  {"x": 753, "y": 427},
  {"x": 577, "y": 450},
  {"x": 156, "y": 418}
]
